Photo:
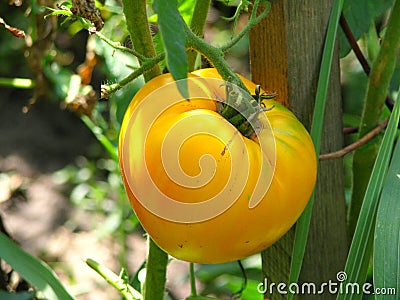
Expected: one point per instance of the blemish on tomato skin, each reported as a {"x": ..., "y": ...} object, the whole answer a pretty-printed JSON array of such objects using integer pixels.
[
  {"x": 223, "y": 151},
  {"x": 229, "y": 143},
  {"x": 180, "y": 246}
]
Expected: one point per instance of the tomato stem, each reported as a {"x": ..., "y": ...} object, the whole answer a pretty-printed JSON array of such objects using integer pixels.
[
  {"x": 116, "y": 281},
  {"x": 236, "y": 108},
  {"x": 118, "y": 46},
  {"x": 139, "y": 30},
  {"x": 197, "y": 23},
  {"x": 253, "y": 20},
  {"x": 192, "y": 281},
  {"x": 147, "y": 65}
]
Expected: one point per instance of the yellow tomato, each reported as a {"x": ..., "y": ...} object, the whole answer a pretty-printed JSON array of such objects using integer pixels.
[{"x": 190, "y": 175}]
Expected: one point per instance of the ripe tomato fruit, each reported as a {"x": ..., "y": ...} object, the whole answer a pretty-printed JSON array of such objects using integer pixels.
[{"x": 186, "y": 138}]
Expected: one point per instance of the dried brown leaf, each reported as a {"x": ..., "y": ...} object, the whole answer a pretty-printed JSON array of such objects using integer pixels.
[{"x": 15, "y": 31}]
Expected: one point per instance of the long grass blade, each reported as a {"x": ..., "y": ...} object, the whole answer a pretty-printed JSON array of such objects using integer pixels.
[
  {"x": 387, "y": 234},
  {"x": 361, "y": 246}
]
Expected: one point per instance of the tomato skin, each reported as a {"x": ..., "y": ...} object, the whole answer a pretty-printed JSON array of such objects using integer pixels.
[{"x": 239, "y": 231}]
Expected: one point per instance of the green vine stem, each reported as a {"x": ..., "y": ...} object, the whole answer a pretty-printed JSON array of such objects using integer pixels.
[
  {"x": 139, "y": 31},
  {"x": 126, "y": 290},
  {"x": 253, "y": 20},
  {"x": 216, "y": 57},
  {"x": 138, "y": 27},
  {"x": 193, "y": 291},
  {"x": 156, "y": 268},
  {"x": 118, "y": 46},
  {"x": 19, "y": 83},
  {"x": 147, "y": 65},
  {"x": 197, "y": 23},
  {"x": 381, "y": 72}
]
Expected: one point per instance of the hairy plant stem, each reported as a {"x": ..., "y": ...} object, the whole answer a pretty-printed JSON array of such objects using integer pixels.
[
  {"x": 193, "y": 291},
  {"x": 118, "y": 46},
  {"x": 253, "y": 20},
  {"x": 148, "y": 64},
  {"x": 216, "y": 57},
  {"x": 197, "y": 23},
  {"x": 379, "y": 79},
  {"x": 138, "y": 28},
  {"x": 116, "y": 281},
  {"x": 139, "y": 31}
]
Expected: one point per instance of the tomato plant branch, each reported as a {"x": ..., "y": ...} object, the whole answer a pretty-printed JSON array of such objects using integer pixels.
[
  {"x": 138, "y": 27},
  {"x": 193, "y": 291},
  {"x": 253, "y": 20},
  {"x": 197, "y": 23},
  {"x": 126, "y": 290},
  {"x": 360, "y": 56},
  {"x": 118, "y": 46},
  {"x": 357, "y": 144},
  {"x": 381, "y": 72},
  {"x": 216, "y": 57},
  {"x": 135, "y": 12},
  {"x": 147, "y": 65},
  {"x": 156, "y": 268},
  {"x": 353, "y": 44}
]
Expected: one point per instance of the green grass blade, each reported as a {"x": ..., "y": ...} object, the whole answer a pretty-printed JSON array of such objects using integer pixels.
[
  {"x": 361, "y": 246},
  {"x": 387, "y": 228},
  {"x": 303, "y": 224},
  {"x": 33, "y": 270}
]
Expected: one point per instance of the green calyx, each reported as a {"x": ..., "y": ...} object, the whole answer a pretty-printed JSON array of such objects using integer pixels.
[{"x": 242, "y": 110}]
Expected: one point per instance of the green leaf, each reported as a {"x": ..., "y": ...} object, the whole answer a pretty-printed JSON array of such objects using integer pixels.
[
  {"x": 361, "y": 246},
  {"x": 33, "y": 270},
  {"x": 17, "y": 296},
  {"x": 303, "y": 224},
  {"x": 57, "y": 12},
  {"x": 359, "y": 15},
  {"x": 173, "y": 36},
  {"x": 387, "y": 228}
]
